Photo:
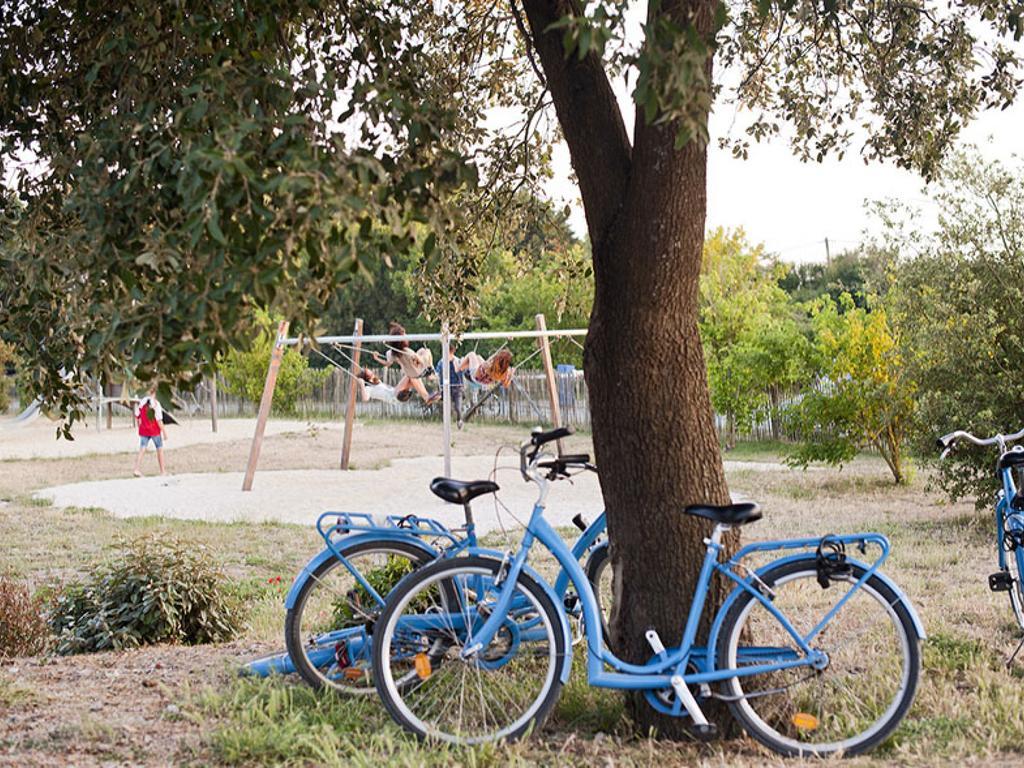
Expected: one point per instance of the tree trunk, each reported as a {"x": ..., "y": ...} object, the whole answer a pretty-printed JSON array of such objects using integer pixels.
[
  {"x": 654, "y": 435},
  {"x": 775, "y": 398}
]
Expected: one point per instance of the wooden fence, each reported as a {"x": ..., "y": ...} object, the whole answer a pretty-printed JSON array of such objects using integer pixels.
[{"x": 526, "y": 403}]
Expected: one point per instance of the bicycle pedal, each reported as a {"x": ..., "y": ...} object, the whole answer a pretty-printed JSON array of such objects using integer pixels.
[
  {"x": 706, "y": 732},
  {"x": 1000, "y": 581}
]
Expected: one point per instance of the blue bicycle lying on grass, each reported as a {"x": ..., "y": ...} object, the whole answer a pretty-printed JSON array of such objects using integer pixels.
[
  {"x": 816, "y": 653},
  {"x": 334, "y": 601},
  {"x": 1009, "y": 518}
]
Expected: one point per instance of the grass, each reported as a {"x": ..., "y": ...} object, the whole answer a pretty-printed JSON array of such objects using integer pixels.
[
  {"x": 969, "y": 707},
  {"x": 13, "y": 693}
]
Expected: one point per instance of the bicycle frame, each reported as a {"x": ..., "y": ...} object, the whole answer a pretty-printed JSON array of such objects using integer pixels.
[
  {"x": 411, "y": 527},
  {"x": 1004, "y": 513},
  {"x": 668, "y": 668}
]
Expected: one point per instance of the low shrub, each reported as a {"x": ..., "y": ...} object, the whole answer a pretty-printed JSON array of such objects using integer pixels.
[
  {"x": 23, "y": 627},
  {"x": 157, "y": 590}
]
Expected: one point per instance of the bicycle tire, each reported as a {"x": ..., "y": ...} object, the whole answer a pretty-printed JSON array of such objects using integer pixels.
[
  {"x": 734, "y": 625},
  {"x": 393, "y": 692},
  {"x": 293, "y": 618}
]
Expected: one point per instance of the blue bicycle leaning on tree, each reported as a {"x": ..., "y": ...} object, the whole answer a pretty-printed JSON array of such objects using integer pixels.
[
  {"x": 334, "y": 601},
  {"x": 815, "y": 653},
  {"x": 1009, "y": 511}
]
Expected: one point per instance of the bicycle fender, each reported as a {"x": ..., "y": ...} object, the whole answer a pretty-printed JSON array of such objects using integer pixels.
[
  {"x": 738, "y": 591},
  {"x": 555, "y": 599},
  {"x": 359, "y": 538}
]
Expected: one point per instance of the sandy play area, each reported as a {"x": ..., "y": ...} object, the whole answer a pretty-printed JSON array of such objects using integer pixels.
[
  {"x": 298, "y": 496},
  {"x": 297, "y": 478}
]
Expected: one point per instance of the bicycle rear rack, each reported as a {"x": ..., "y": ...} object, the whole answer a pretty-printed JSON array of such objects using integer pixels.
[{"x": 357, "y": 522}]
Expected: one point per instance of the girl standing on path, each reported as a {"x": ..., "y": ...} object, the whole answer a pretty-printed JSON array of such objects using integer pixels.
[{"x": 151, "y": 427}]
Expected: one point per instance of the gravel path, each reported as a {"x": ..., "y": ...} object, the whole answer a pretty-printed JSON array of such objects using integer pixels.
[
  {"x": 38, "y": 440},
  {"x": 299, "y": 496}
]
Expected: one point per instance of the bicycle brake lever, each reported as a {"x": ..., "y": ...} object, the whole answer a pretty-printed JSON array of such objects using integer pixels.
[{"x": 945, "y": 453}]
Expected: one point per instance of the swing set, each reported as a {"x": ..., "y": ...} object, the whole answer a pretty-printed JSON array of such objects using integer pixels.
[{"x": 351, "y": 348}]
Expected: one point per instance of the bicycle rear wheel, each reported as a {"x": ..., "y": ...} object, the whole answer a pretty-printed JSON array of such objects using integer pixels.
[
  {"x": 501, "y": 691},
  {"x": 852, "y": 704},
  {"x": 325, "y": 631}
]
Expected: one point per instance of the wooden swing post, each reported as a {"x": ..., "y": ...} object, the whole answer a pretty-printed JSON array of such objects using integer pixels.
[
  {"x": 549, "y": 373},
  {"x": 213, "y": 401},
  {"x": 265, "y": 402},
  {"x": 446, "y": 399},
  {"x": 353, "y": 385}
]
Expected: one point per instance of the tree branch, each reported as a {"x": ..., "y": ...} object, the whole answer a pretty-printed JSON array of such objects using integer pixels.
[{"x": 588, "y": 114}]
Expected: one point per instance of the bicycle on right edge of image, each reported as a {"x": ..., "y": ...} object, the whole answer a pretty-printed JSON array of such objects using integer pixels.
[
  {"x": 816, "y": 653},
  {"x": 1009, "y": 517}
]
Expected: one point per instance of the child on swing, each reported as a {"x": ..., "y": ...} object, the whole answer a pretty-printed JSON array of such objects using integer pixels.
[
  {"x": 497, "y": 369},
  {"x": 415, "y": 366}
]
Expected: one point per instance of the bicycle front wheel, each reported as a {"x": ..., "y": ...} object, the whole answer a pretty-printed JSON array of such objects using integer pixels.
[
  {"x": 498, "y": 692},
  {"x": 1015, "y": 561},
  {"x": 857, "y": 699}
]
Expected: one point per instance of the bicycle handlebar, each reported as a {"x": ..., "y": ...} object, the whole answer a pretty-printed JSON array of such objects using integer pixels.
[
  {"x": 946, "y": 442},
  {"x": 530, "y": 449}
]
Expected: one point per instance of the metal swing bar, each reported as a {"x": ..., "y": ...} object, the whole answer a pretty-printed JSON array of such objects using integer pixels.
[{"x": 357, "y": 339}]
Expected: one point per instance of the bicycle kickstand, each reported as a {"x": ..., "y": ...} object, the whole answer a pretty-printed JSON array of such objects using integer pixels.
[{"x": 1020, "y": 645}]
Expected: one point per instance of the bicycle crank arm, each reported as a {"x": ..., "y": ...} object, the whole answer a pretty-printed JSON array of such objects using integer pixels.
[{"x": 701, "y": 727}]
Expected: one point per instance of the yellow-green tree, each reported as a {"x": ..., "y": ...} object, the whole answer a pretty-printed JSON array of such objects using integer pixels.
[
  {"x": 864, "y": 397},
  {"x": 245, "y": 370},
  {"x": 754, "y": 345}
]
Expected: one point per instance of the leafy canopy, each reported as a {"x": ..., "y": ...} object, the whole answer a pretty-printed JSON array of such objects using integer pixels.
[
  {"x": 956, "y": 294},
  {"x": 180, "y": 165}
]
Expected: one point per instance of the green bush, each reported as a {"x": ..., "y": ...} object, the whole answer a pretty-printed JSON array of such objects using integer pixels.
[
  {"x": 23, "y": 628},
  {"x": 157, "y": 590},
  {"x": 245, "y": 371}
]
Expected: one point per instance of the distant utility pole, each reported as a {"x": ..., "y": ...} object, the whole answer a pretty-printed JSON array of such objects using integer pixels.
[{"x": 828, "y": 254}]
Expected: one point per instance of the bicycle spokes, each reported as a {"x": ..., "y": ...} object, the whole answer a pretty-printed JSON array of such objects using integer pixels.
[
  {"x": 443, "y": 690},
  {"x": 857, "y": 681}
]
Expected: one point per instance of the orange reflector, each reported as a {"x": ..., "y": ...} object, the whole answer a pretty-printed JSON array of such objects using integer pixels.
[
  {"x": 353, "y": 673},
  {"x": 422, "y": 666},
  {"x": 805, "y": 721}
]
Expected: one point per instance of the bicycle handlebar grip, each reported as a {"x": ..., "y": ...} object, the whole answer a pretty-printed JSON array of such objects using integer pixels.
[
  {"x": 575, "y": 458},
  {"x": 539, "y": 438},
  {"x": 945, "y": 441}
]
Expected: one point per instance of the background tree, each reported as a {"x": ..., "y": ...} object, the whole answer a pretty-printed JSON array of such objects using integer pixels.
[
  {"x": 859, "y": 272},
  {"x": 245, "y": 371},
  {"x": 956, "y": 293},
  {"x": 749, "y": 327},
  {"x": 212, "y": 157},
  {"x": 864, "y": 397}
]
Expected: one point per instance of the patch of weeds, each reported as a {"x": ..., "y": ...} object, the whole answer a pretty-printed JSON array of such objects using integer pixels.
[
  {"x": 272, "y": 722},
  {"x": 14, "y": 694},
  {"x": 23, "y": 628},
  {"x": 587, "y": 710},
  {"x": 939, "y": 732},
  {"x": 946, "y": 653},
  {"x": 33, "y": 501}
]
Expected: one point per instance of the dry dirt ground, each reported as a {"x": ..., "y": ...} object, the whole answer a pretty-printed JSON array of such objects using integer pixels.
[{"x": 173, "y": 705}]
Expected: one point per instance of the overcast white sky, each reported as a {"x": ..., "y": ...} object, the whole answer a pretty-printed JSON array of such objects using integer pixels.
[{"x": 792, "y": 206}]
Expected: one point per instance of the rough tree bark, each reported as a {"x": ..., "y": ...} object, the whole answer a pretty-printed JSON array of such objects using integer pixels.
[{"x": 654, "y": 435}]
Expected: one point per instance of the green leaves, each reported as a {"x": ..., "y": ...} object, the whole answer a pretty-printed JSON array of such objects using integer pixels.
[
  {"x": 901, "y": 79},
  {"x": 156, "y": 590},
  {"x": 192, "y": 170}
]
